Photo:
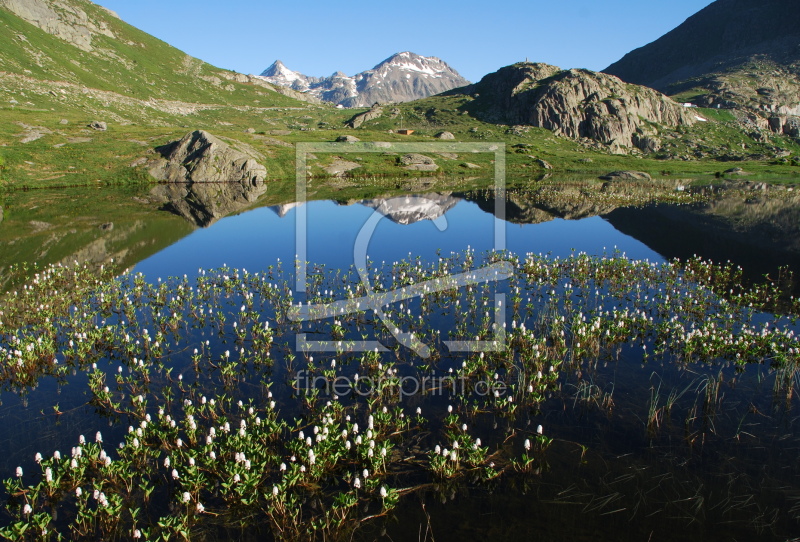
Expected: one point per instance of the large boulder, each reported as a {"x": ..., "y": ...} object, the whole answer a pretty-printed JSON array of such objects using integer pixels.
[
  {"x": 445, "y": 135},
  {"x": 347, "y": 139},
  {"x": 418, "y": 162},
  {"x": 361, "y": 118},
  {"x": 200, "y": 157}
]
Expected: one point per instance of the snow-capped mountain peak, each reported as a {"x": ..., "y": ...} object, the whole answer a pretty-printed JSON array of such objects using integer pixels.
[
  {"x": 279, "y": 74},
  {"x": 401, "y": 77}
]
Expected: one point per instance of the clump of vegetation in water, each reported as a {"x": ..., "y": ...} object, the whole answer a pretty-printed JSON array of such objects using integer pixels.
[{"x": 229, "y": 425}]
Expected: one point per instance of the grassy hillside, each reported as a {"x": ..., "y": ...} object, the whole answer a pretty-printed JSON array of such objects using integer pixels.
[
  {"x": 132, "y": 63},
  {"x": 150, "y": 93}
]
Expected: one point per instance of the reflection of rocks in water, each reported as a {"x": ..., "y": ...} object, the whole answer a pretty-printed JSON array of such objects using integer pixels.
[
  {"x": 283, "y": 209},
  {"x": 205, "y": 203},
  {"x": 410, "y": 209},
  {"x": 567, "y": 201},
  {"x": 757, "y": 232}
]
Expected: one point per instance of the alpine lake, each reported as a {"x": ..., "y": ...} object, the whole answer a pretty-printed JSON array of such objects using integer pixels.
[{"x": 624, "y": 367}]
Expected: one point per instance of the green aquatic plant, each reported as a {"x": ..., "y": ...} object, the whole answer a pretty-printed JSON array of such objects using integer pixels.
[{"x": 232, "y": 426}]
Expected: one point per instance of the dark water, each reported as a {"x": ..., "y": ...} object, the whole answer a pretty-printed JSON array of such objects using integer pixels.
[{"x": 735, "y": 479}]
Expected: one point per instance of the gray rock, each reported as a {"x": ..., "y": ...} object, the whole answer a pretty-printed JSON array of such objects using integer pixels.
[
  {"x": 575, "y": 103},
  {"x": 62, "y": 19},
  {"x": 792, "y": 127},
  {"x": 646, "y": 143},
  {"x": 543, "y": 164},
  {"x": 347, "y": 139},
  {"x": 444, "y": 135},
  {"x": 361, "y": 118},
  {"x": 414, "y": 159},
  {"x": 418, "y": 162},
  {"x": 626, "y": 176},
  {"x": 63, "y": 121},
  {"x": 250, "y": 131},
  {"x": 469, "y": 165},
  {"x": 199, "y": 157},
  {"x": 98, "y": 125}
]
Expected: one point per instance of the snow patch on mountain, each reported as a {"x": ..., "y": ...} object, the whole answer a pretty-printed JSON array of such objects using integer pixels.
[{"x": 402, "y": 77}]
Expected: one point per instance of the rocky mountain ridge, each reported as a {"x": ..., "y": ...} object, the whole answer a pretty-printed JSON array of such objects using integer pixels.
[
  {"x": 579, "y": 104},
  {"x": 400, "y": 78},
  {"x": 734, "y": 54}
]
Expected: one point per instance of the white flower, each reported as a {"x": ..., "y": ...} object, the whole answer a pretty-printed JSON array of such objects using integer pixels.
[
  {"x": 166, "y": 462},
  {"x": 539, "y": 430},
  {"x": 137, "y": 533},
  {"x": 200, "y": 507},
  {"x": 186, "y": 496},
  {"x": 38, "y": 457},
  {"x": 78, "y": 491},
  {"x": 236, "y": 478},
  {"x": 356, "y": 483},
  {"x": 27, "y": 509},
  {"x": 48, "y": 475},
  {"x": 19, "y": 472},
  {"x": 383, "y": 493},
  {"x": 275, "y": 491},
  {"x": 283, "y": 467},
  {"x": 527, "y": 444},
  {"x": 175, "y": 474},
  {"x": 365, "y": 474}
]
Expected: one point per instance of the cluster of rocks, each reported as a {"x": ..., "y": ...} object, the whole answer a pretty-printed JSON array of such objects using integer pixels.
[{"x": 577, "y": 104}]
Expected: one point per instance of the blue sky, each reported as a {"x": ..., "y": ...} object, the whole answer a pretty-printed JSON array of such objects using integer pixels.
[{"x": 475, "y": 38}]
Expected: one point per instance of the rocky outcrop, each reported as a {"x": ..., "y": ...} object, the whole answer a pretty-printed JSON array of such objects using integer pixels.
[
  {"x": 733, "y": 54},
  {"x": 418, "y": 162},
  {"x": 63, "y": 19},
  {"x": 400, "y": 78},
  {"x": 347, "y": 139},
  {"x": 361, "y": 118},
  {"x": 445, "y": 135},
  {"x": 576, "y": 104},
  {"x": 199, "y": 157}
]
